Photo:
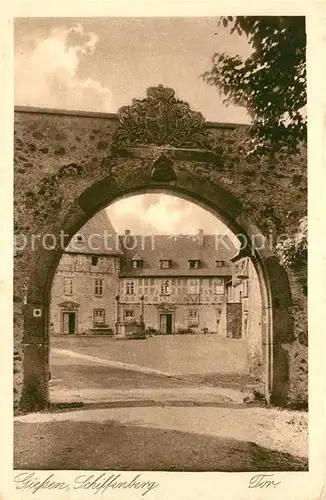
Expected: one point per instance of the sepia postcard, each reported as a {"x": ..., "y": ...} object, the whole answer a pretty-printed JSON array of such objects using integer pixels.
[{"x": 160, "y": 339}]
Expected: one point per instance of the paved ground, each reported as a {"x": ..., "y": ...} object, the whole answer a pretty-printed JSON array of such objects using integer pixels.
[
  {"x": 178, "y": 354},
  {"x": 135, "y": 417},
  {"x": 77, "y": 377},
  {"x": 162, "y": 438}
]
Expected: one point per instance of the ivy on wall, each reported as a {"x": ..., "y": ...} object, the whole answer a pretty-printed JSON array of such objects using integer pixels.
[{"x": 293, "y": 251}]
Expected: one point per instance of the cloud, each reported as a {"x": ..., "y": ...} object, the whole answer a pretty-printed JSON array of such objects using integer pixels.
[
  {"x": 162, "y": 214},
  {"x": 84, "y": 41},
  {"x": 46, "y": 75}
]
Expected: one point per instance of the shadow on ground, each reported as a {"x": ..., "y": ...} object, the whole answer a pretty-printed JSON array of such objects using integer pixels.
[
  {"x": 148, "y": 403},
  {"x": 109, "y": 445}
]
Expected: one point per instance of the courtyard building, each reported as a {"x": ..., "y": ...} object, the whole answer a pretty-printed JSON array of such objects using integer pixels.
[
  {"x": 118, "y": 285},
  {"x": 86, "y": 282}
]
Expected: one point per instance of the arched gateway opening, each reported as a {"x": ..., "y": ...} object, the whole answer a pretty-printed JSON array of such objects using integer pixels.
[{"x": 160, "y": 145}]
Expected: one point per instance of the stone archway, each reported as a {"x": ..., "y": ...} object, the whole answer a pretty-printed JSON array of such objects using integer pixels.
[
  {"x": 275, "y": 330},
  {"x": 175, "y": 159}
]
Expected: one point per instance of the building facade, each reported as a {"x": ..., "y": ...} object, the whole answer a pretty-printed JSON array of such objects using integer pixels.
[
  {"x": 244, "y": 297},
  {"x": 86, "y": 282},
  {"x": 175, "y": 283},
  {"x": 170, "y": 284}
]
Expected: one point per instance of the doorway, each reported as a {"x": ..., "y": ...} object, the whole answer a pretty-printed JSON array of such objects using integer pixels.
[
  {"x": 166, "y": 324},
  {"x": 234, "y": 320},
  {"x": 69, "y": 323}
]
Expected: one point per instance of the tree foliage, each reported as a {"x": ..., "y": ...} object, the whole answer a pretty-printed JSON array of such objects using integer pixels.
[
  {"x": 293, "y": 251},
  {"x": 270, "y": 83}
]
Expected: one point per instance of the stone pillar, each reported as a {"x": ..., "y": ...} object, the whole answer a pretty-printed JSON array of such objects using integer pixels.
[
  {"x": 142, "y": 324},
  {"x": 278, "y": 331},
  {"x": 142, "y": 309},
  {"x": 35, "y": 395},
  {"x": 117, "y": 314}
]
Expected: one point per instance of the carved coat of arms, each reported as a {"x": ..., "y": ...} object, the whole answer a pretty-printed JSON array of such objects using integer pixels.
[{"x": 161, "y": 119}]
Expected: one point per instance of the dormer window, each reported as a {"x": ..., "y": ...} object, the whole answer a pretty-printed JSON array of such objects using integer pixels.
[
  {"x": 94, "y": 260},
  {"x": 136, "y": 264},
  {"x": 219, "y": 263},
  {"x": 137, "y": 261},
  {"x": 79, "y": 238},
  {"x": 193, "y": 263},
  {"x": 165, "y": 264}
]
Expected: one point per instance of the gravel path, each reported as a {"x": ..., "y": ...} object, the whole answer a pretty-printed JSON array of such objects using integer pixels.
[{"x": 163, "y": 438}]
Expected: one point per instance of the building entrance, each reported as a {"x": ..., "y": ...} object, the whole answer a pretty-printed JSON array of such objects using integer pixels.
[
  {"x": 166, "y": 323},
  {"x": 69, "y": 323}
]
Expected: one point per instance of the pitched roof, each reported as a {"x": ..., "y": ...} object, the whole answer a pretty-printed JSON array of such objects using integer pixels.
[
  {"x": 98, "y": 237},
  {"x": 179, "y": 250}
]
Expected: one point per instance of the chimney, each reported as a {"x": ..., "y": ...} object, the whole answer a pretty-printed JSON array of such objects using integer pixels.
[
  {"x": 200, "y": 236},
  {"x": 127, "y": 231}
]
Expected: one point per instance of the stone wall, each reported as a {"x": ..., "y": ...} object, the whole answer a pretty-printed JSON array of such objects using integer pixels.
[
  {"x": 18, "y": 352},
  {"x": 298, "y": 351},
  {"x": 65, "y": 171}
]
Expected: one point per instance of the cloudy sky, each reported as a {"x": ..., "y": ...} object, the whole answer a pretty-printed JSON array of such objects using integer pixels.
[
  {"x": 162, "y": 214},
  {"x": 101, "y": 64}
]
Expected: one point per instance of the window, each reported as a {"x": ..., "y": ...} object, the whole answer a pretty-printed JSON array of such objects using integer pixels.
[
  {"x": 136, "y": 264},
  {"x": 193, "y": 286},
  {"x": 165, "y": 264},
  {"x": 193, "y": 264},
  {"x": 66, "y": 262},
  {"x": 130, "y": 287},
  {"x": 219, "y": 263},
  {"x": 98, "y": 287},
  {"x": 193, "y": 317},
  {"x": 129, "y": 314},
  {"x": 242, "y": 268},
  {"x": 165, "y": 287},
  {"x": 193, "y": 313},
  {"x": 245, "y": 288},
  {"x": 230, "y": 293},
  {"x": 80, "y": 260},
  {"x": 94, "y": 260},
  {"x": 67, "y": 284},
  {"x": 218, "y": 286},
  {"x": 98, "y": 316}
]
